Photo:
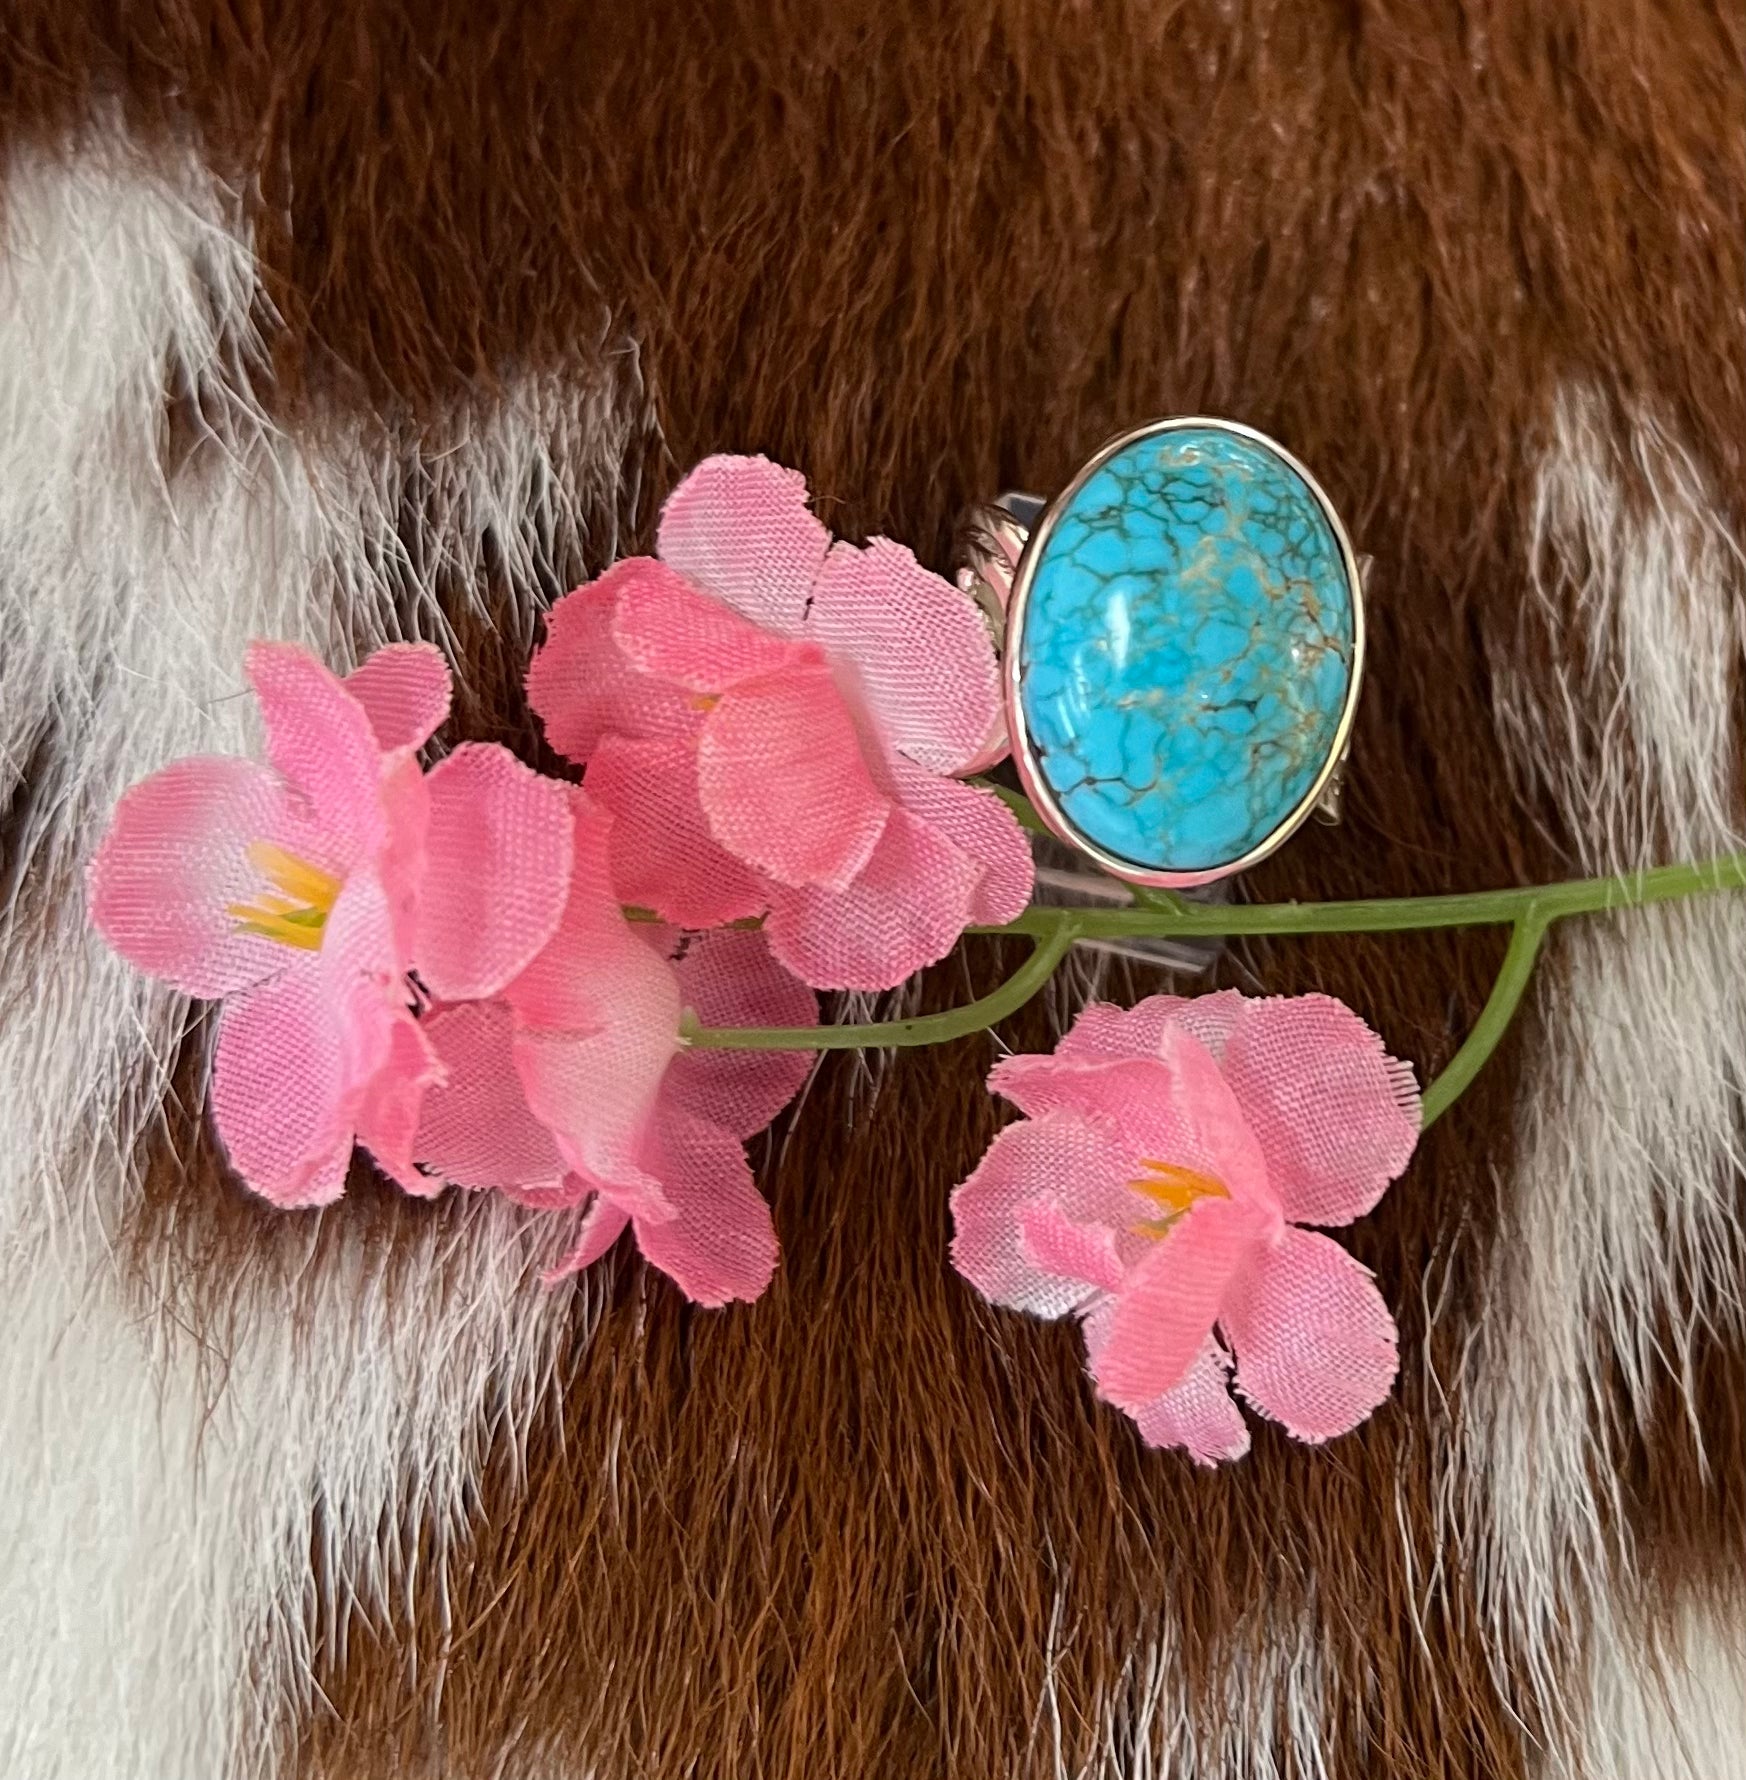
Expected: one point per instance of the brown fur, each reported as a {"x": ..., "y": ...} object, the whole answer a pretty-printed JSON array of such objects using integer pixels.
[{"x": 926, "y": 252}]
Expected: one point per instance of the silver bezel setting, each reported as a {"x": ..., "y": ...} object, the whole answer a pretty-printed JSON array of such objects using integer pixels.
[{"x": 1036, "y": 788}]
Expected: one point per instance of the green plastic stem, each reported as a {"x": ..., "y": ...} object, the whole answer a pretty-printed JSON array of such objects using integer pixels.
[
  {"x": 924, "y": 1029},
  {"x": 1529, "y": 912},
  {"x": 1494, "y": 1019},
  {"x": 1401, "y": 914}
]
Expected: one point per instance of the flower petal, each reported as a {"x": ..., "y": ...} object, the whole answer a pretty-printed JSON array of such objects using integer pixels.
[
  {"x": 405, "y": 691},
  {"x": 400, "y": 867},
  {"x": 1166, "y": 1307},
  {"x": 320, "y": 739},
  {"x": 1336, "y": 1116},
  {"x": 1197, "y": 1414},
  {"x": 740, "y": 528},
  {"x": 475, "y": 1128},
  {"x": 1063, "y": 1161},
  {"x": 1060, "y": 1245},
  {"x": 783, "y": 780},
  {"x": 664, "y": 857},
  {"x": 390, "y": 1104},
  {"x": 497, "y": 875},
  {"x": 668, "y": 628},
  {"x": 570, "y": 1192},
  {"x": 600, "y": 1227},
  {"x": 730, "y": 979},
  {"x": 1174, "y": 1108},
  {"x": 173, "y": 863},
  {"x": 1040, "y": 1082},
  {"x": 581, "y": 684},
  {"x": 598, "y": 1019},
  {"x": 1106, "y": 1031},
  {"x": 1316, "y": 1347},
  {"x": 921, "y": 651},
  {"x": 595, "y": 969},
  {"x": 979, "y": 825},
  {"x": 905, "y": 910},
  {"x": 358, "y": 949},
  {"x": 1211, "y": 1019},
  {"x": 280, "y": 1080},
  {"x": 720, "y": 1245},
  {"x": 595, "y": 1091},
  {"x": 385, "y": 1063}
]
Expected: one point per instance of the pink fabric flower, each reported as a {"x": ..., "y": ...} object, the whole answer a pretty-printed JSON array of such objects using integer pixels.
[
  {"x": 1157, "y": 1189},
  {"x": 773, "y": 718},
  {"x": 571, "y": 1089},
  {"x": 304, "y": 892}
]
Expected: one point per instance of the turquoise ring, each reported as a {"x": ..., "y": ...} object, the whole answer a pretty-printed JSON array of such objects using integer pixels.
[{"x": 1184, "y": 642}]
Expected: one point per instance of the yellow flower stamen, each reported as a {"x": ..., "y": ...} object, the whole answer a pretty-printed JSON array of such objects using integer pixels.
[
  {"x": 297, "y": 878},
  {"x": 1176, "y": 1189},
  {"x": 298, "y": 915}
]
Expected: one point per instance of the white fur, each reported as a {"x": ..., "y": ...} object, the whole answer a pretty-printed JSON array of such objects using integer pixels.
[
  {"x": 1668, "y": 1705},
  {"x": 1621, "y": 1249},
  {"x": 158, "y": 1501},
  {"x": 1267, "y": 1721}
]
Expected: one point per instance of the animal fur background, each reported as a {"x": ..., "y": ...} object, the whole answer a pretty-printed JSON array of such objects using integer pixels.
[{"x": 340, "y": 319}]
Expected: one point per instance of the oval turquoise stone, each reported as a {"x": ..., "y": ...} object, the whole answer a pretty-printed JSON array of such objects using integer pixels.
[{"x": 1186, "y": 649}]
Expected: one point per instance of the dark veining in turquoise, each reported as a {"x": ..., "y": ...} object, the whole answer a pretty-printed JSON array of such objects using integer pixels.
[{"x": 1186, "y": 651}]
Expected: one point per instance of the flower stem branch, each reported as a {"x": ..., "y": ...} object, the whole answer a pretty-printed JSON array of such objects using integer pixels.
[
  {"x": 1400, "y": 914},
  {"x": 1494, "y": 1019},
  {"x": 924, "y": 1029},
  {"x": 1529, "y": 912}
]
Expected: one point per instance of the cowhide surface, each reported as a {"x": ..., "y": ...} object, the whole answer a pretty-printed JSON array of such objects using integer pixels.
[{"x": 348, "y": 319}]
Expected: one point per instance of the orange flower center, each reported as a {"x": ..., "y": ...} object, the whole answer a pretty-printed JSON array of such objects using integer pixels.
[
  {"x": 1174, "y": 1188},
  {"x": 296, "y": 913}
]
